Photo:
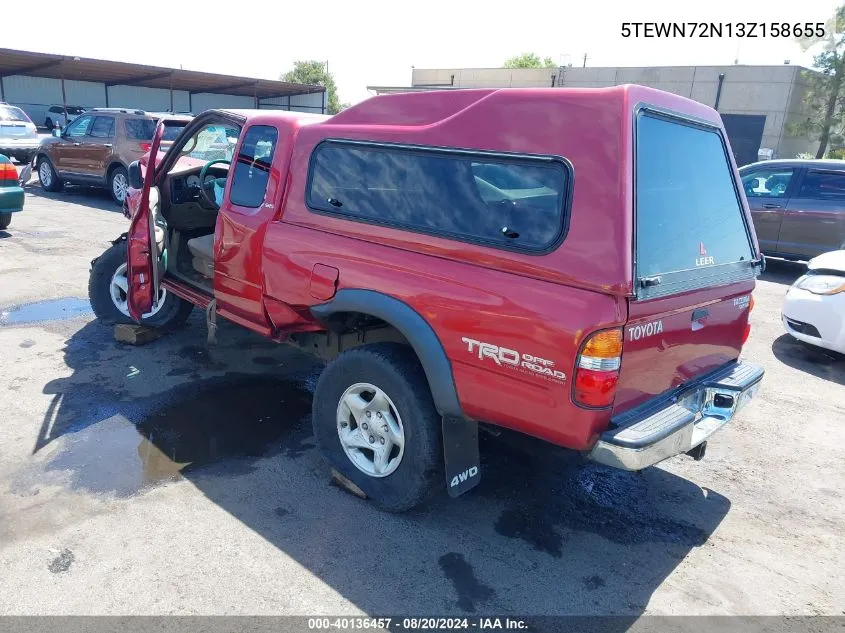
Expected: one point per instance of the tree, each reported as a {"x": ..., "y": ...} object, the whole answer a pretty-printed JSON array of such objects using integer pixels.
[
  {"x": 824, "y": 98},
  {"x": 316, "y": 73},
  {"x": 529, "y": 60}
]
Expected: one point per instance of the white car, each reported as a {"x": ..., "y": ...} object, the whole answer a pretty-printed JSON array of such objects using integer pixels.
[{"x": 814, "y": 308}]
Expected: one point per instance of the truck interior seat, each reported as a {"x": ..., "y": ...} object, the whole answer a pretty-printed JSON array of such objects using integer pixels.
[{"x": 202, "y": 248}]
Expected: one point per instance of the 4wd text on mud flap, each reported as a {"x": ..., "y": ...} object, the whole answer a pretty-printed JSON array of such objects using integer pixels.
[
  {"x": 462, "y": 477},
  {"x": 503, "y": 356}
]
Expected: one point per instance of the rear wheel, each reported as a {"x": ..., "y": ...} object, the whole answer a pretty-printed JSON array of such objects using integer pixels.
[
  {"x": 107, "y": 292},
  {"x": 375, "y": 422},
  {"x": 47, "y": 175},
  {"x": 5, "y": 220},
  {"x": 118, "y": 184}
]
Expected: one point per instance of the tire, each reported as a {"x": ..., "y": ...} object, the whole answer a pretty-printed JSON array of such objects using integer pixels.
[
  {"x": 394, "y": 369},
  {"x": 49, "y": 124},
  {"x": 46, "y": 172},
  {"x": 118, "y": 179},
  {"x": 171, "y": 314},
  {"x": 5, "y": 220}
]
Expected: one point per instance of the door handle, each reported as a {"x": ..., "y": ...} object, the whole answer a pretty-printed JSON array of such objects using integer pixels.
[
  {"x": 106, "y": 144},
  {"x": 772, "y": 205}
]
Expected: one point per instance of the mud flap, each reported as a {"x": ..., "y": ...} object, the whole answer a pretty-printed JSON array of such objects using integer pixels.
[
  {"x": 211, "y": 322},
  {"x": 460, "y": 452}
]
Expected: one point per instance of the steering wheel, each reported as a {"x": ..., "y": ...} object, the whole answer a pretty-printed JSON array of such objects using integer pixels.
[{"x": 207, "y": 197}]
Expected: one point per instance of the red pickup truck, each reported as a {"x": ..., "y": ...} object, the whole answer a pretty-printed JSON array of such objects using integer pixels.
[{"x": 574, "y": 264}]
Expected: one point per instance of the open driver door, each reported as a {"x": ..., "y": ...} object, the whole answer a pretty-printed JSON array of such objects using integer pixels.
[{"x": 144, "y": 260}]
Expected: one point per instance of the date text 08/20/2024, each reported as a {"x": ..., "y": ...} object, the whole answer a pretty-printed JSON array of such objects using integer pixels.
[
  {"x": 416, "y": 623},
  {"x": 724, "y": 29}
]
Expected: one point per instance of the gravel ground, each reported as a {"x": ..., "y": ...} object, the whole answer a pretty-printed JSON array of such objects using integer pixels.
[{"x": 178, "y": 478}]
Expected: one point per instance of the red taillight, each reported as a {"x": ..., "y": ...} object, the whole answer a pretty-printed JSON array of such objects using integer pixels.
[
  {"x": 146, "y": 146},
  {"x": 747, "y": 332},
  {"x": 8, "y": 174},
  {"x": 597, "y": 369}
]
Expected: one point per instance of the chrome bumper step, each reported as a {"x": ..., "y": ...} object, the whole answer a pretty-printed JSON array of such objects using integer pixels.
[{"x": 669, "y": 426}]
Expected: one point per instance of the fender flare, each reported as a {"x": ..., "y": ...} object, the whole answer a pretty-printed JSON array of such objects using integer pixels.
[{"x": 415, "y": 329}]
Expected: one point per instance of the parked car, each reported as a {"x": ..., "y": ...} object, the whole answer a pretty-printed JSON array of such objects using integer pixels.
[
  {"x": 814, "y": 307},
  {"x": 11, "y": 193},
  {"x": 97, "y": 147},
  {"x": 18, "y": 135},
  {"x": 56, "y": 116},
  {"x": 798, "y": 206},
  {"x": 436, "y": 249}
]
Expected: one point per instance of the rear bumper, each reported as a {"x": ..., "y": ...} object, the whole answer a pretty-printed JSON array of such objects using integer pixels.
[
  {"x": 17, "y": 147},
  {"x": 677, "y": 423},
  {"x": 11, "y": 199}
]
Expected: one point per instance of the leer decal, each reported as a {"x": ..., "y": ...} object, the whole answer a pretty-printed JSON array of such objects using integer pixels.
[{"x": 704, "y": 260}]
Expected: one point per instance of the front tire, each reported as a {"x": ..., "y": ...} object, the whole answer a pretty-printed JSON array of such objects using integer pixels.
[
  {"x": 375, "y": 422},
  {"x": 5, "y": 220},
  {"x": 107, "y": 293},
  {"x": 48, "y": 176},
  {"x": 118, "y": 185}
]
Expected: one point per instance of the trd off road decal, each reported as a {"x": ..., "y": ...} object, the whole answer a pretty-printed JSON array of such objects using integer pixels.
[{"x": 504, "y": 357}]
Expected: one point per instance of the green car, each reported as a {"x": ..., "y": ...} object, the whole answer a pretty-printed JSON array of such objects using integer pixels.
[{"x": 11, "y": 193}]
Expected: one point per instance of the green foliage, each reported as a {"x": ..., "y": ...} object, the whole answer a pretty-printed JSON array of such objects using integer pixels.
[
  {"x": 824, "y": 98},
  {"x": 314, "y": 72},
  {"x": 529, "y": 60},
  {"x": 837, "y": 154}
]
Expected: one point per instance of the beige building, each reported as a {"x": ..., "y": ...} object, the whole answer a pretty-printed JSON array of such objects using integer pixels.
[{"x": 756, "y": 102}]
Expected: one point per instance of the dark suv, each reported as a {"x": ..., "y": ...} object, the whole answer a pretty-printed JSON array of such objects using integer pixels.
[
  {"x": 798, "y": 206},
  {"x": 97, "y": 147}
]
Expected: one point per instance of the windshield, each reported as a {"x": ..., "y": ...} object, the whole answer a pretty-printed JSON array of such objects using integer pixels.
[
  {"x": 212, "y": 142},
  {"x": 11, "y": 113}
]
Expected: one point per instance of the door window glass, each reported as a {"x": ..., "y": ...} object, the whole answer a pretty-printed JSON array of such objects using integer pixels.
[
  {"x": 103, "y": 127},
  {"x": 767, "y": 183},
  {"x": 821, "y": 185},
  {"x": 79, "y": 127},
  {"x": 252, "y": 168}
]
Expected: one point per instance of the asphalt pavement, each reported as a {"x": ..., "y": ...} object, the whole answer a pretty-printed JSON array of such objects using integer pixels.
[{"x": 182, "y": 478}]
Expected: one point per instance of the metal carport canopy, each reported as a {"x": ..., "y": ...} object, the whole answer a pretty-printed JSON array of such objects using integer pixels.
[{"x": 13, "y": 62}]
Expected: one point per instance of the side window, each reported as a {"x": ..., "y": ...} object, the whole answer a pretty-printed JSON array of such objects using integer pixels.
[
  {"x": 823, "y": 185},
  {"x": 103, "y": 127},
  {"x": 767, "y": 183},
  {"x": 252, "y": 166},
  {"x": 506, "y": 202},
  {"x": 139, "y": 129},
  {"x": 79, "y": 127}
]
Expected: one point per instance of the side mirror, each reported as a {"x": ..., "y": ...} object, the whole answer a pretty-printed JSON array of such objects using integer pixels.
[{"x": 134, "y": 174}]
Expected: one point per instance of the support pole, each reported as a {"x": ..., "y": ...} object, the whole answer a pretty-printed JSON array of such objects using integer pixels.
[
  {"x": 64, "y": 99},
  {"x": 2, "y": 95},
  {"x": 106, "y": 87}
]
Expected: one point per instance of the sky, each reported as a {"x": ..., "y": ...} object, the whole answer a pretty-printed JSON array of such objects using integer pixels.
[{"x": 375, "y": 42}]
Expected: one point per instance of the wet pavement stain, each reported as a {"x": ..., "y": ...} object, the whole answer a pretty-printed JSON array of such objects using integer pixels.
[
  {"x": 42, "y": 311},
  {"x": 280, "y": 511},
  {"x": 553, "y": 491},
  {"x": 467, "y": 586},
  {"x": 62, "y": 562},
  {"x": 200, "y": 356},
  {"x": 253, "y": 417},
  {"x": 593, "y": 582},
  {"x": 532, "y": 529}
]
